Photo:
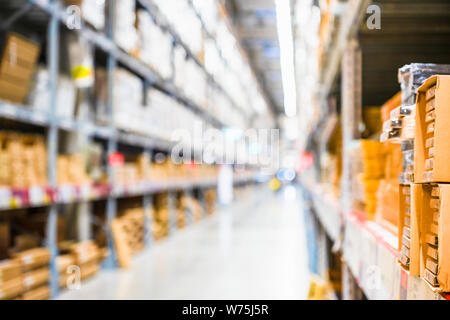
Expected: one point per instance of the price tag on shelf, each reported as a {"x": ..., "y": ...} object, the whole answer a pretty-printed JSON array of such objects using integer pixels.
[
  {"x": 36, "y": 195},
  {"x": 66, "y": 193},
  {"x": 5, "y": 197},
  {"x": 85, "y": 191}
]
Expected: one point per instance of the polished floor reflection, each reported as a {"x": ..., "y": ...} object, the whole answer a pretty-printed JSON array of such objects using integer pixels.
[{"x": 255, "y": 249}]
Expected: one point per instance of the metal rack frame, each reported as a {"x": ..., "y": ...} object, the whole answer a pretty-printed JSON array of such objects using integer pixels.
[{"x": 113, "y": 136}]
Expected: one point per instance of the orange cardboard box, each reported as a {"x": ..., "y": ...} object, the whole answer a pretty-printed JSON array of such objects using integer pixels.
[
  {"x": 411, "y": 215},
  {"x": 11, "y": 289},
  {"x": 432, "y": 166},
  {"x": 9, "y": 269},
  {"x": 434, "y": 245},
  {"x": 33, "y": 258},
  {"x": 35, "y": 278},
  {"x": 41, "y": 293}
]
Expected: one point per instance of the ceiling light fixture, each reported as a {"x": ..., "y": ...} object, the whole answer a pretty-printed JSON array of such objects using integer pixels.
[{"x": 284, "y": 26}]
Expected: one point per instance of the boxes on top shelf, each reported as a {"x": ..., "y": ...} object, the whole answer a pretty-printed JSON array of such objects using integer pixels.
[
  {"x": 411, "y": 77},
  {"x": 19, "y": 57},
  {"x": 432, "y": 139}
]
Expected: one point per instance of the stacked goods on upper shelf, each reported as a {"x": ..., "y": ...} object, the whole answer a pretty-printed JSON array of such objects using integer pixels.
[
  {"x": 431, "y": 192},
  {"x": 388, "y": 193},
  {"x": 158, "y": 118},
  {"x": 160, "y": 227},
  {"x": 71, "y": 169},
  {"x": 26, "y": 275},
  {"x": 92, "y": 12},
  {"x": 125, "y": 33},
  {"x": 373, "y": 161},
  {"x": 150, "y": 34},
  {"x": 141, "y": 169},
  {"x": 128, "y": 232},
  {"x": 128, "y": 100},
  {"x": 432, "y": 143},
  {"x": 39, "y": 97},
  {"x": 155, "y": 117},
  {"x": 18, "y": 60},
  {"x": 78, "y": 261},
  {"x": 23, "y": 160},
  {"x": 210, "y": 201},
  {"x": 180, "y": 14}
]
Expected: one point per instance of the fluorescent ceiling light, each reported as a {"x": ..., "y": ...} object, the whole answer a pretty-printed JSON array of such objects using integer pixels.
[{"x": 284, "y": 26}]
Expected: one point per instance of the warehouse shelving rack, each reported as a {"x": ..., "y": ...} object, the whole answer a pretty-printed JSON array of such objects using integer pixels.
[
  {"x": 53, "y": 195},
  {"x": 360, "y": 66}
]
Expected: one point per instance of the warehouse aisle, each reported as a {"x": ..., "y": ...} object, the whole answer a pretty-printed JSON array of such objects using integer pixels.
[{"x": 255, "y": 249}]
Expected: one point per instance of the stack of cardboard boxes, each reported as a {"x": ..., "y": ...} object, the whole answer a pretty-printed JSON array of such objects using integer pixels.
[
  {"x": 84, "y": 256},
  {"x": 128, "y": 232},
  {"x": 430, "y": 227},
  {"x": 26, "y": 275},
  {"x": 71, "y": 169},
  {"x": 23, "y": 160}
]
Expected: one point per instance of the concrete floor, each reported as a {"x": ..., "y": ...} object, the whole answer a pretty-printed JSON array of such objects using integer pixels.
[{"x": 254, "y": 249}]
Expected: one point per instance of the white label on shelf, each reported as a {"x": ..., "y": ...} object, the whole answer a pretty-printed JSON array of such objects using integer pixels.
[
  {"x": 85, "y": 191},
  {"x": 36, "y": 195},
  {"x": 66, "y": 193},
  {"x": 5, "y": 197}
]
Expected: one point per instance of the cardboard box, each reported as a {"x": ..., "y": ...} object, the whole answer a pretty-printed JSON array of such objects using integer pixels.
[
  {"x": 85, "y": 252},
  {"x": 35, "y": 278},
  {"x": 9, "y": 269},
  {"x": 412, "y": 235},
  {"x": 434, "y": 168},
  {"x": 11, "y": 289},
  {"x": 434, "y": 248},
  {"x": 63, "y": 262},
  {"x": 18, "y": 61},
  {"x": 40, "y": 293},
  {"x": 404, "y": 228},
  {"x": 33, "y": 258}
]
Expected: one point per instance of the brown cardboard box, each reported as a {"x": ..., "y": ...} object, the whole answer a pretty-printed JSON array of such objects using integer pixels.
[
  {"x": 9, "y": 269},
  {"x": 413, "y": 242},
  {"x": 85, "y": 252},
  {"x": 89, "y": 269},
  {"x": 404, "y": 230},
  {"x": 11, "y": 289},
  {"x": 33, "y": 258},
  {"x": 432, "y": 169},
  {"x": 429, "y": 242},
  {"x": 35, "y": 278},
  {"x": 41, "y": 293},
  {"x": 65, "y": 261},
  {"x": 19, "y": 58}
]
